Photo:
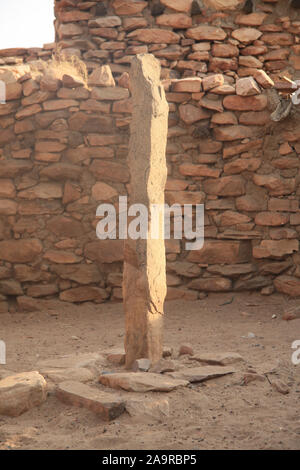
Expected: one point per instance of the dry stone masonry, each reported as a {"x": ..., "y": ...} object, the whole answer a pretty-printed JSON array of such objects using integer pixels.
[
  {"x": 86, "y": 380},
  {"x": 64, "y": 145}
]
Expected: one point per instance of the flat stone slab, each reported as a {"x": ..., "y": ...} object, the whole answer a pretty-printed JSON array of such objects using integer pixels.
[
  {"x": 141, "y": 382},
  {"x": 156, "y": 409},
  {"x": 218, "y": 359},
  {"x": 200, "y": 374},
  {"x": 106, "y": 405},
  {"x": 20, "y": 392},
  {"x": 77, "y": 374},
  {"x": 72, "y": 361}
]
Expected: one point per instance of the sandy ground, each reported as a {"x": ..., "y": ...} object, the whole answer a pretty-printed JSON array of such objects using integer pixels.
[{"x": 221, "y": 413}]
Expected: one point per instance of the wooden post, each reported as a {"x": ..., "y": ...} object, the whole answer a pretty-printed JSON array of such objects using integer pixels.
[{"x": 144, "y": 279}]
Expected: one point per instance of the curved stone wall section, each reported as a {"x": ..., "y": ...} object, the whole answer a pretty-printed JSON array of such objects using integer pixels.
[{"x": 63, "y": 149}]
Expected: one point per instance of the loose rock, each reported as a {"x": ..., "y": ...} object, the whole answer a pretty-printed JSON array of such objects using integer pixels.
[
  {"x": 142, "y": 365},
  {"x": 21, "y": 392},
  {"x": 152, "y": 408}
]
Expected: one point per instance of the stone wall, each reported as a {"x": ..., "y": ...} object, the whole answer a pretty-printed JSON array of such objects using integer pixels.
[{"x": 63, "y": 148}]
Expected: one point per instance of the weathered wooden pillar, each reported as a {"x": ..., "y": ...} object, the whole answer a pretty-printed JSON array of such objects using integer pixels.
[{"x": 144, "y": 278}]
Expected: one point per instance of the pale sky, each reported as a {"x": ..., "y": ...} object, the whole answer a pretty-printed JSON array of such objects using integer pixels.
[{"x": 26, "y": 23}]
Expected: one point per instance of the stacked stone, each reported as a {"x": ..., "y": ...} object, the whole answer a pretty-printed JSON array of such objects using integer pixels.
[
  {"x": 60, "y": 158},
  {"x": 18, "y": 56},
  {"x": 58, "y": 148},
  {"x": 250, "y": 191},
  {"x": 63, "y": 149},
  {"x": 189, "y": 37}
]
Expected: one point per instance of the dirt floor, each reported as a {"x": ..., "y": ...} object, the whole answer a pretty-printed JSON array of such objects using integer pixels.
[{"x": 222, "y": 413}]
